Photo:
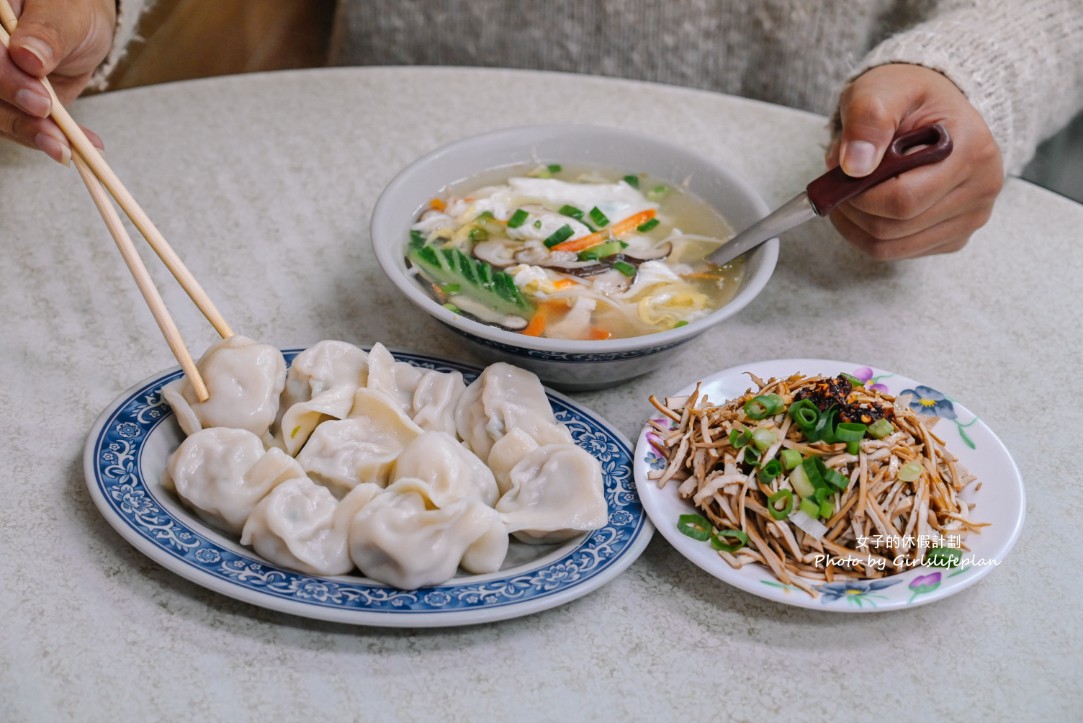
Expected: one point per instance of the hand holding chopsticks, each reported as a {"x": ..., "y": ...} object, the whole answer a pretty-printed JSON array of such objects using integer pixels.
[{"x": 95, "y": 173}]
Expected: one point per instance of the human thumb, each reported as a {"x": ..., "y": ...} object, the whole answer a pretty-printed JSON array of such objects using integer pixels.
[
  {"x": 38, "y": 43},
  {"x": 869, "y": 121}
]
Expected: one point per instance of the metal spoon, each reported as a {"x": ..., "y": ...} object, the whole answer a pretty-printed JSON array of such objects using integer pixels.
[{"x": 909, "y": 150}]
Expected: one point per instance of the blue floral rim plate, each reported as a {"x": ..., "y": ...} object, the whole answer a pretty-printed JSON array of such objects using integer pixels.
[
  {"x": 1000, "y": 501},
  {"x": 126, "y": 454}
]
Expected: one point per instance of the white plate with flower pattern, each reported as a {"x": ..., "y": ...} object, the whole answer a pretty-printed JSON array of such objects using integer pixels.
[
  {"x": 125, "y": 458},
  {"x": 1000, "y": 500}
]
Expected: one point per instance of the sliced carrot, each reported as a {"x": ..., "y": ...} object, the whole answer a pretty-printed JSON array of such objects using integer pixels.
[
  {"x": 598, "y": 237},
  {"x": 598, "y": 334},
  {"x": 564, "y": 283},
  {"x": 438, "y": 204},
  {"x": 540, "y": 320}
]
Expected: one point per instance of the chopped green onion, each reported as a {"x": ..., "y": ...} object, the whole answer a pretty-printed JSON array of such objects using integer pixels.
[
  {"x": 598, "y": 217},
  {"x": 452, "y": 308},
  {"x": 625, "y": 268},
  {"x": 658, "y": 193},
  {"x": 805, "y": 413},
  {"x": 771, "y": 469},
  {"x": 601, "y": 251},
  {"x": 943, "y": 557},
  {"x": 751, "y": 456},
  {"x": 554, "y": 168},
  {"x": 824, "y": 431},
  {"x": 740, "y": 438},
  {"x": 483, "y": 216},
  {"x": 852, "y": 379},
  {"x": 763, "y": 406},
  {"x": 800, "y": 482},
  {"x": 785, "y": 496},
  {"x": 718, "y": 544},
  {"x": 827, "y": 508},
  {"x": 910, "y": 471},
  {"x": 850, "y": 431},
  {"x": 559, "y": 236},
  {"x": 814, "y": 469},
  {"x": 823, "y": 494},
  {"x": 518, "y": 218},
  {"x": 764, "y": 438},
  {"x": 538, "y": 223},
  {"x": 647, "y": 225},
  {"x": 417, "y": 238},
  {"x": 632, "y": 181},
  {"x": 835, "y": 479},
  {"x": 571, "y": 211},
  {"x": 881, "y": 428},
  {"x": 791, "y": 458},
  {"x": 810, "y": 508},
  {"x": 682, "y": 322},
  {"x": 695, "y": 526}
]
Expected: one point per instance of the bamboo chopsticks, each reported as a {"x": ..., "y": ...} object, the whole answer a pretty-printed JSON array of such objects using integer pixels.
[{"x": 96, "y": 173}]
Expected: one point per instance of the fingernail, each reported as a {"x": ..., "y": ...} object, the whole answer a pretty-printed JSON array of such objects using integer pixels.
[
  {"x": 35, "y": 104},
  {"x": 53, "y": 148},
  {"x": 858, "y": 158},
  {"x": 39, "y": 49}
]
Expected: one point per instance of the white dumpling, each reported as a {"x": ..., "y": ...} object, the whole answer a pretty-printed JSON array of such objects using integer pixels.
[
  {"x": 223, "y": 473},
  {"x": 300, "y": 525},
  {"x": 396, "y": 379},
  {"x": 501, "y": 398},
  {"x": 320, "y": 384},
  {"x": 556, "y": 493},
  {"x": 507, "y": 452},
  {"x": 244, "y": 379},
  {"x": 402, "y": 538},
  {"x": 342, "y": 454},
  {"x": 435, "y": 398},
  {"x": 451, "y": 470}
]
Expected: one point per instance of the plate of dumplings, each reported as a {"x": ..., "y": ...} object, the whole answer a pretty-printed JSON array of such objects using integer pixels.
[{"x": 366, "y": 486}]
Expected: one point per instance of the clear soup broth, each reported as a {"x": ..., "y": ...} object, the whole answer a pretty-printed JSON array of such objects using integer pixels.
[{"x": 572, "y": 252}]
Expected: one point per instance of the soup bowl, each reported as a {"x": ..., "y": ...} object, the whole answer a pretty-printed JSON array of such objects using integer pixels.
[{"x": 571, "y": 365}]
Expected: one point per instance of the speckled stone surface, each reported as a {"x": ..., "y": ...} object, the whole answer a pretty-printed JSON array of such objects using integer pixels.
[{"x": 264, "y": 185}]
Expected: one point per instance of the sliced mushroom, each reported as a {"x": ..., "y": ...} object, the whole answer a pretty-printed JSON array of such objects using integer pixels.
[
  {"x": 647, "y": 253},
  {"x": 500, "y": 254}
]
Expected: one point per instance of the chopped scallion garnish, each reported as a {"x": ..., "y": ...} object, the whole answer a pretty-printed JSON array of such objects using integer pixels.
[
  {"x": 554, "y": 168},
  {"x": 518, "y": 218},
  {"x": 763, "y": 406},
  {"x": 559, "y": 236},
  {"x": 625, "y": 268},
  {"x": 771, "y": 469},
  {"x": 785, "y": 496},
  {"x": 571, "y": 211},
  {"x": 647, "y": 225},
  {"x": 695, "y": 526},
  {"x": 738, "y": 535},
  {"x": 632, "y": 180},
  {"x": 599, "y": 218},
  {"x": 881, "y": 428},
  {"x": 790, "y": 459}
]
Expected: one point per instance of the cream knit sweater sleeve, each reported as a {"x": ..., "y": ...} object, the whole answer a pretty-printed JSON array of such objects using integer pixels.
[{"x": 1020, "y": 63}]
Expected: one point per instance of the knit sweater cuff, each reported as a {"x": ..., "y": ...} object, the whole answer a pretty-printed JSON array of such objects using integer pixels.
[
  {"x": 1017, "y": 64},
  {"x": 128, "y": 14}
]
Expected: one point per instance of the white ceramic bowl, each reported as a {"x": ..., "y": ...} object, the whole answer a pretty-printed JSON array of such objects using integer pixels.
[{"x": 569, "y": 365}]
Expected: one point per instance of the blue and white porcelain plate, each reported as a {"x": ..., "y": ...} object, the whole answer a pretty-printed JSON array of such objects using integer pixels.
[
  {"x": 125, "y": 459},
  {"x": 998, "y": 501}
]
